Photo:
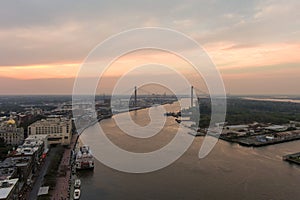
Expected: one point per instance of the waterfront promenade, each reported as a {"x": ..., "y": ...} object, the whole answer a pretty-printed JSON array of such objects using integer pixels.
[{"x": 63, "y": 181}]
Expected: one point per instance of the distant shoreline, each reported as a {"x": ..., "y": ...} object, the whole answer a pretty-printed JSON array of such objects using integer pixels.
[{"x": 271, "y": 99}]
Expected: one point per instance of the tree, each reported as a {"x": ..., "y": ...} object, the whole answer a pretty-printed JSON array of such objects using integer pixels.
[{"x": 4, "y": 148}]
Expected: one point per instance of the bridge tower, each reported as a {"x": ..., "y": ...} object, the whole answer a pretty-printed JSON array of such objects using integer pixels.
[
  {"x": 135, "y": 96},
  {"x": 192, "y": 96}
]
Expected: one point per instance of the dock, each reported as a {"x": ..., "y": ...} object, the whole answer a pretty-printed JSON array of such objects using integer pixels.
[
  {"x": 256, "y": 141},
  {"x": 292, "y": 158}
]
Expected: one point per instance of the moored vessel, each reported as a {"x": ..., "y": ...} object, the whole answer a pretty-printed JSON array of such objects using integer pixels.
[
  {"x": 84, "y": 158},
  {"x": 77, "y": 184}
]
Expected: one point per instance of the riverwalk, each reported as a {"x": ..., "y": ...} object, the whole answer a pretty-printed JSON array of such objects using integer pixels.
[{"x": 63, "y": 181}]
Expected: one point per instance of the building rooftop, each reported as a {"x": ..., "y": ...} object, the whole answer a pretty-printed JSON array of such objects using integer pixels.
[
  {"x": 40, "y": 137},
  {"x": 7, "y": 168},
  {"x": 52, "y": 121},
  {"x": 237, "y": 126},
  {"x": 7, "y": 163},
  {"x": 43, "y": 190},
  {"x": 276, "y": 127},
  {"x": 6, "y": 187}
]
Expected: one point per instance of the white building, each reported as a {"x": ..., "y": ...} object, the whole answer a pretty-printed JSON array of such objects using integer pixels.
[
  {"x": 37, "y": 138},
  {"x": 35, "y": 146},
  {"x": 294, "y": 124},
  {"x": 276, "y": 128},
  {"x": 9, "y": 189},
  {"x": 59, "y": 130},
  {"x": 11, "y": 133},
  {"x": 32, "y": 144},
  {"x": 236, "y": 127}
]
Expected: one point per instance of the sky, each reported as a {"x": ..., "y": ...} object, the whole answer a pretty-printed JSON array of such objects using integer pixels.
[{"x": 254, "y": 44}]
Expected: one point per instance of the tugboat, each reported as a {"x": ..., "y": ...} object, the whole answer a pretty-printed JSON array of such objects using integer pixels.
[{"x": 84, "y": 158}]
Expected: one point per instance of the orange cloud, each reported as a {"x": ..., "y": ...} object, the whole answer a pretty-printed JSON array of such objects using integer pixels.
[
  {"x": 230, "y": 56},
  {"x": 42, "y": 71}
]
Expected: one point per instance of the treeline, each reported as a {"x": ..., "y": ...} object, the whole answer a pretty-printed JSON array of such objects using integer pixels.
[
  {"x": 242, "y": 111},
  {"x": 4, "y": 148},
  {"x": 6, "y": 108}
]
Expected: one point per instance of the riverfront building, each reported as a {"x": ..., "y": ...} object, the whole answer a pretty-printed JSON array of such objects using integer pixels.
[
  {"x": 17, "y": 171},
  {"x": 58, "y": 129}
]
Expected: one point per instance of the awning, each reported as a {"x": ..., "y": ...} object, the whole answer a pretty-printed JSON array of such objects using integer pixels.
[{"x": 43, "y": 190}]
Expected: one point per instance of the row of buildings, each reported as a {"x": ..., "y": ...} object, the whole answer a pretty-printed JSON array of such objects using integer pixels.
[
  {"x": 58, "y": 129},
  {"x": 29, "y": 146},
  {"x": 57, "y": 125},
  {"x": 18, "y": 169}
]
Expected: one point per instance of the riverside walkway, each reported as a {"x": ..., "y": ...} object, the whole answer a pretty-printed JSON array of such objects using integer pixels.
[{"x": 63, "y": 181}]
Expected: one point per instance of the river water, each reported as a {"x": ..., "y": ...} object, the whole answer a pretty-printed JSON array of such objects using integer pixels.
[{"x": 230, "y": 171}]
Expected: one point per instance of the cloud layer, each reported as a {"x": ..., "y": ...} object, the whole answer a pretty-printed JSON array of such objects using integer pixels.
[{"x": 49, "y": 39}]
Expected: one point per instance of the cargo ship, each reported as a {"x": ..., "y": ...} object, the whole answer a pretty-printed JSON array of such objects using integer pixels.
[{"x": 84, "y": 158}]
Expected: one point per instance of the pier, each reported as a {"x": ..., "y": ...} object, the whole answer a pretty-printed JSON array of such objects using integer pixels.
[
  {"x": 254, "y": 141},
  {"x": 292, "y": 158}
]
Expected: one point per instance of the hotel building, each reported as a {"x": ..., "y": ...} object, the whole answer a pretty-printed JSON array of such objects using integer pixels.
[{"x": 59, "y": 130}]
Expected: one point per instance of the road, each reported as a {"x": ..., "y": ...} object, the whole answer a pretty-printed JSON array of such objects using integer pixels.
[{"x": 39, "y": 180}]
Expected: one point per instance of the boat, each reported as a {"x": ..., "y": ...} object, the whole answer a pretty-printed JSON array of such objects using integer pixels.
[
  {"x": 77, "y": 183},
  {"x": 178, "y": 121},
  {"x": 84, "y": 158},
  {"x": 194, "y": 133},
  {"x": 76, "y": 194}
]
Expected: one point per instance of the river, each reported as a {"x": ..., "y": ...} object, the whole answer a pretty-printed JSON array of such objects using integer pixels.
[{"x": 230, "y": 171}]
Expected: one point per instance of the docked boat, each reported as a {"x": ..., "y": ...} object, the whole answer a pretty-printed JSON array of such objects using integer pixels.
[
  {"x": 178, "y": 121},
  {"x": 76, "y": 194},
  {"x": 77, "y": 183},
  {"x": 84, "y": 158}
]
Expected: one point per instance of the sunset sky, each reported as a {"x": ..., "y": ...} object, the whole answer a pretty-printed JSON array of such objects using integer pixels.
[{"x": 254, "y": 44}]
